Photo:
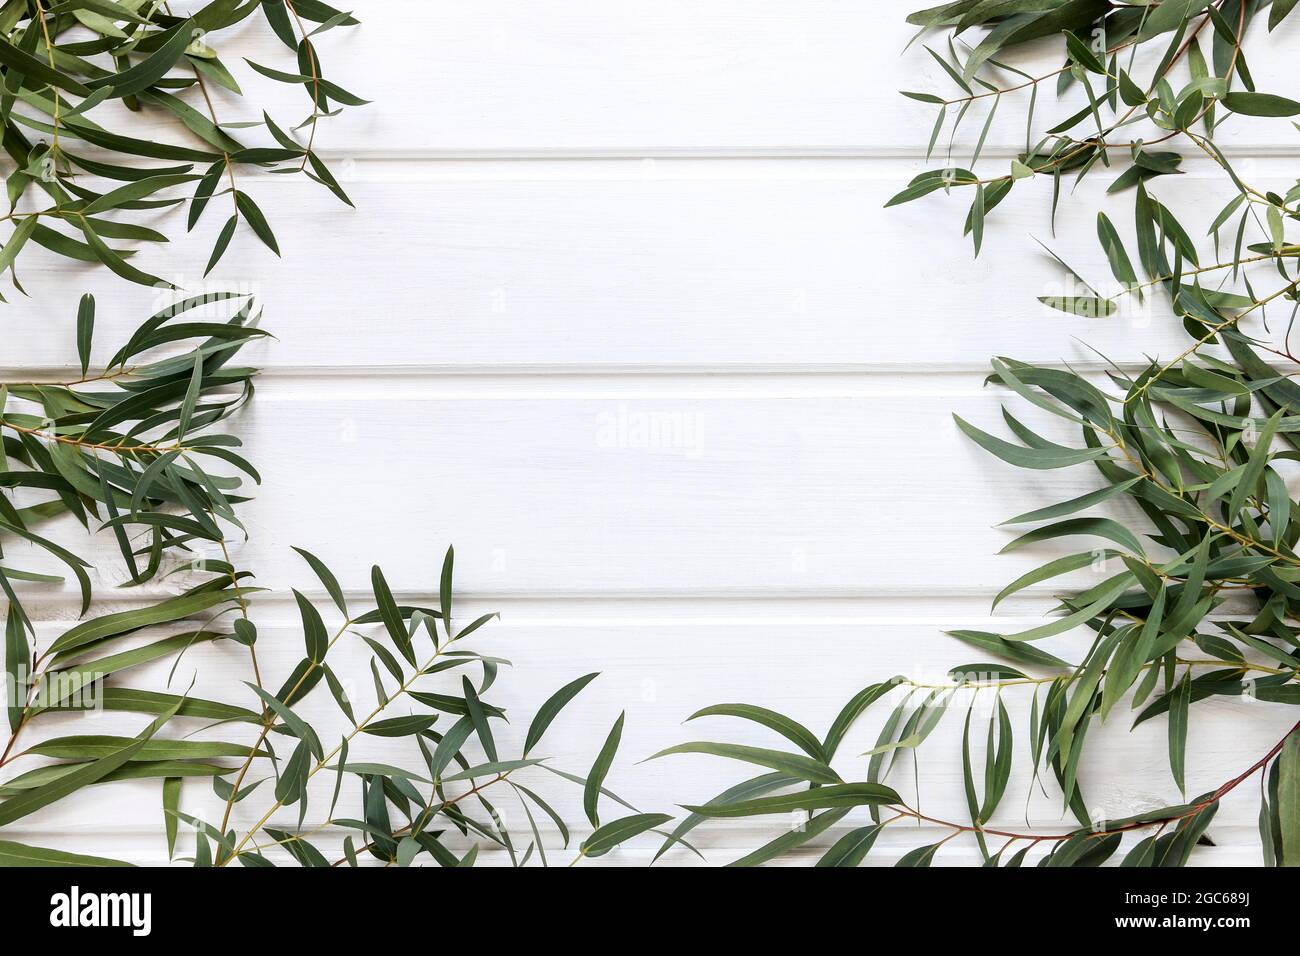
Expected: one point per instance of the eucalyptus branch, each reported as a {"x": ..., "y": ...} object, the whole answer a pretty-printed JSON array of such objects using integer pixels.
[
  {"x": 1200, "y": 444},
  {"x": 151, "y": 60},
  {"x": 401, "y": 844},
  {"x": 413, "y": 837}
]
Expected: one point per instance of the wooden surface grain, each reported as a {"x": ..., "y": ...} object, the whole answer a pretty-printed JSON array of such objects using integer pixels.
[{"x": 621, "y": 315}]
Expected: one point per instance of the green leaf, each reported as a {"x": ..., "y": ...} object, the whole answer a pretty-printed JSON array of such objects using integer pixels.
[
  {"x": 22, "y": 232},
  {"x": 17, "y": 664},
  {"x": 245, "y": 631},
  {"x": 491, "y": 769},
  {"x": 479, "y": 718},
  {"x": 1279, "y": 12},
  {"x": 1109, "y": 591},
  {"x": 191, "y": 399},
  {"x": 116, "y": 263},
  {"x": 93, "y": 747},
  {"x": 599, "y": 770},
  {"x": 390, "y": 614},
  {"x": 1064, "y": 508},
  {"x": 1021, "y": 653},
  {"x": 1121, "y": 266},
  {"x": 292, "y": 783},
  {"x": 1288, "y": 798},
  {"x": 1024, "y": 457},
  {"x": 223, "y": 241},
  {"x": 133, "y": 770},
  {"x": 852, "y": 848},
  {"x": 822, "y": 798},
  {"x": 401, "y": 726},
  {"x": 794, "y": 837},
  {"x": 327, "y": 579},
  {"x": 1106, "y": 528},
  {"x": 150, "y": 70},
  {"x": 984, "y": 672},
  {"x": 295, "y": 724},
  {"x": 30, "y": 68},
  {"x": 551, "y": 709},
  {"x": 1178, "y": 707},
  {"x": 1261, "y": 104},
  {"x": 256, "y": 220},
  {"x": 1168, "y": 15},
  {"x": 1081, "y": 54},
  {"x": 17, "y": 807},
  {"x": 171, "y": 801},
  {"x": 313, "y": 628},
  {"x": 977, "y": 211},
  {"x": 444, "y": 589},
  {"x": 753, "y": 787},
  {"x": 796, "y": 765},
  {"x": 20, "y": 854},
  {"x": 134, "y": 191},
  {"x": 64, "y": 684},
  {"x": 1051, "y": 569},
  {"x": 851, "y": 711},
  {"x": 605, "y": 838},
  {"x": 74, "y": 563},
  {"x": 1087, "y": 306},
  {"x": 124, "y": 622},
  {"x": 1130, "y": 92},
  {"x": 407, "y": 849},
  {"x": 85, "y": 329},
  {"x": 920, "y": 857},
  {"x": 1249, "y": 482},
  {"x": 378, "y": 769},
  {"x": 788, "y": 728}
]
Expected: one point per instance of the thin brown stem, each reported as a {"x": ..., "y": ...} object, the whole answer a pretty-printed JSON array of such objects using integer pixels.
[
  {"x": 268, "y": 721},
  {"x": 315, "y": 82},
  {"x": 1189, "y": 811}
]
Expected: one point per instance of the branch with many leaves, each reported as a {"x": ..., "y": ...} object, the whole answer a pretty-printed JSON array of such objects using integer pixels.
[
  {"x": 123, "y": 447},
  {"x": 1201, "y": 600},
  {"x": 67, "y": 69}
]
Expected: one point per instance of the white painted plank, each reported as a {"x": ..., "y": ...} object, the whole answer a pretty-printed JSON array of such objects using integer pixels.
[
  {"x": 517, "y": 326},
  {"x": 660, "y": 671},
  {"x": 670, "y": 493},
  {"x": 767, "y": 265},
  {"x": 719, "y": 846},
  {"x": 650, "y": 77}
]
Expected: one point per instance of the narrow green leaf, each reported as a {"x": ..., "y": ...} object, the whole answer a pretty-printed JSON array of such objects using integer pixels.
[
  {"x": 852, "y": 848},
  {"x": 1178, "y": 707},
  {"x": 479, "y": 718},
  {"x": 599, "y": 770},
  {"x": 20, "y": 854},
  {"x": 171, "y": 804},
  {"x": 1288, "y": 799},
  {"x": 605, "y": 838},
  {"x": 820, "y": 798},
  {"x": 19, "y": 806},
  {"x": 327, "y": 579},
  {"x": 85, "y": 329},
  {"x": 788, "y": 728},
  {"x": 256, "y": 220},
  {"x": 796, "y": 765},
  {"x": 1024, "y": 457},
  {"x": 1261, "y": 104},
  {"x": 551, "y": 709}
]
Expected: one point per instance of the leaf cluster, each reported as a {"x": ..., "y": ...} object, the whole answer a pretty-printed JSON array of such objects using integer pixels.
[
  {"x": 74, "y": 75},
  {"x": 126, "y": 449},
  {"x": 1192, "y": 532},
  {"x": 1129, "y": 118},
  {"x": 421, "y": 665}
]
